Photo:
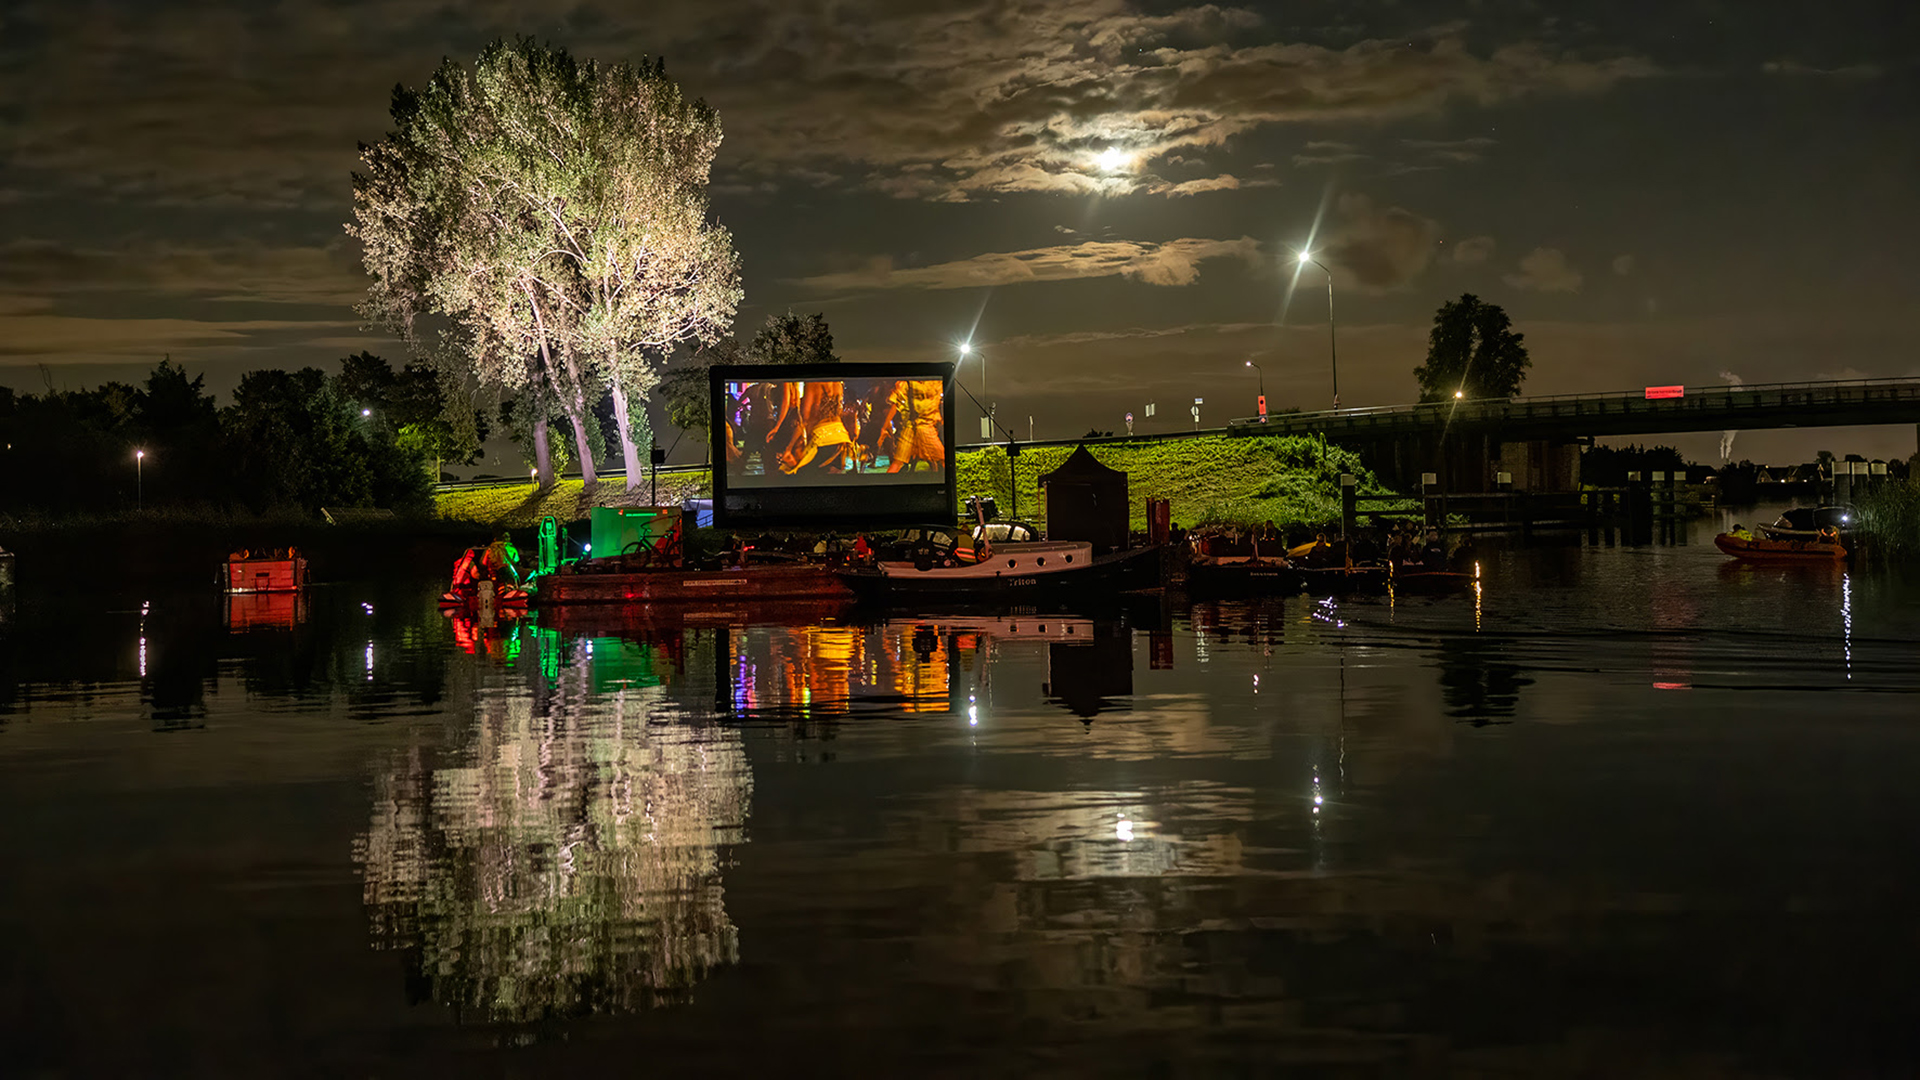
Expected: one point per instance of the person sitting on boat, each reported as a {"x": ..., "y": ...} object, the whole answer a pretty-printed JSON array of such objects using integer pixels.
[
  {"x": 862, "y": 551},
  {"x": 1322, "y": 553},
  {"x": 1433, "y": 556},
  {"x": 1400, "y": 550},
  {"x": 466, "y": 573},
  {"x": 501, "y": 560},
  {"x": 1740, "y": 532}
]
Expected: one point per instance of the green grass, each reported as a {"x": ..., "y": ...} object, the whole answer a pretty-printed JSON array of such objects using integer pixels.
[
  {"x": 1289, "y": 480},
  {"x": 519, "y": 505}
]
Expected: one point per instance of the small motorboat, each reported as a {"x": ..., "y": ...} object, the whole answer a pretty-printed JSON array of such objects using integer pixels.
[
  {"x": 265, "y": 570},
  {"x": 1822, "y": 523},
  {"x": 1826, "y": 547}
]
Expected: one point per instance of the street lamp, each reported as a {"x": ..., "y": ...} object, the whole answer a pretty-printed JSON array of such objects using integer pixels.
[
  {"x": 1333, "y": 353},
  {"x": 139, "y": 479},
  {"x": 1262, "y": 376},
  {"x": 986, "y": 419}
]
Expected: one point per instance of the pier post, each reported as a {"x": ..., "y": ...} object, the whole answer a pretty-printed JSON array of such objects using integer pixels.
[
  {"x": 1430, "y": 497},
  {"x": 1349, "y": 504},
  {"x": 1843, "y": 482}
]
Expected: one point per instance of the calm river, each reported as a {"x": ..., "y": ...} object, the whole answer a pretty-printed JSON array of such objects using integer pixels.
[{"x": 1628, "y": 811}]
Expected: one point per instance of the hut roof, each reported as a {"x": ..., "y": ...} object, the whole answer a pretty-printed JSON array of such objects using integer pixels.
[{"x": 1081, "y": 465}]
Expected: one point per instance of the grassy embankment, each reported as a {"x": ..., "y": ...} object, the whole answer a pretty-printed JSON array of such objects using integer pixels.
[
  {"x": 520, "y": 506},
  {"x": 1292, "y": 481}
]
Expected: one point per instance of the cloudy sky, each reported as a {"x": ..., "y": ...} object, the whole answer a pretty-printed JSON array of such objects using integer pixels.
[{"x": 1104, "y": 195}]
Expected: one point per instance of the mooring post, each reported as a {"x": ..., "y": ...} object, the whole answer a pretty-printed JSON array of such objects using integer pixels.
[
  {"x": 1503, "y": 487},
  {"x": 1843, "y": 482},
  {"x": 1349, "y": 504},
  {"x": 1430, "y": 497}
]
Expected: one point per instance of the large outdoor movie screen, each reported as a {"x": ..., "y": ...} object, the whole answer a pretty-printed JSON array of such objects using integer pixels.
[{"x": 832, "y": 445}]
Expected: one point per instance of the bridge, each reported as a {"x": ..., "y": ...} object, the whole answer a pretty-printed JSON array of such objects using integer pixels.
[
  {"x": 1834, "y": 403},
  {"x": 1470, "y": 443}
]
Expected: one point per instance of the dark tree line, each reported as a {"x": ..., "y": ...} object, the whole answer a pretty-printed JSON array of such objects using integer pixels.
[{"x": 368, "y": 437}]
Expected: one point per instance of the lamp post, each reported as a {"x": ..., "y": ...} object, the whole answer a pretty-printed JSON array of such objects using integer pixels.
[
  {"x": 139, "y": 479},
  {"x": 1333, "y": 353},
  {"x": 1262, "y": 376},
  {"x": 986, "y": 410}
]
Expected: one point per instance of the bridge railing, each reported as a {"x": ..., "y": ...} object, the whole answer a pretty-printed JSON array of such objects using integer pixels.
[{"x": 1835, "y": 390}]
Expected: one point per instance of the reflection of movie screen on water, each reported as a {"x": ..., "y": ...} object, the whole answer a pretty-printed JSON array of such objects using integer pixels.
[{"x": 818, "y": 444}]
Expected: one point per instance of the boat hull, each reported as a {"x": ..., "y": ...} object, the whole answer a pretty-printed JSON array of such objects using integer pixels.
[
  {"x": 1022, "y": 584},
  {"x": 717, "y": 588},
  {"x": 1242, "y": 577},
  {"x": 1771, "y": 550}
]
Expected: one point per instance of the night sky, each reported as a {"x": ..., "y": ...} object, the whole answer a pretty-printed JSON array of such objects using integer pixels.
[{"x": 1105, "y": 195}]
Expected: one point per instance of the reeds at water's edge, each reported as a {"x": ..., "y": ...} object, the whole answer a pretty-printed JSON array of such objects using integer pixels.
[{"x": 1890, "y": 519}]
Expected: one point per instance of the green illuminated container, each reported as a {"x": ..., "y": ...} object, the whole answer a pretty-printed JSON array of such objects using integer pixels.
[{"x": 629, "y": 530}]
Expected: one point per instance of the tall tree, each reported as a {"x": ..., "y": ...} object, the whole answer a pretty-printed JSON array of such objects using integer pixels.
[
  {"x": 1473, "y": 352},
  {"x": 794, "y": 339},
  {"x": 557, "y": 213}
]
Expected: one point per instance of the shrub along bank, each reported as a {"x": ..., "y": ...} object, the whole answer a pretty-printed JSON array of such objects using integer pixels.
[{"x": 1292, "y": 481}]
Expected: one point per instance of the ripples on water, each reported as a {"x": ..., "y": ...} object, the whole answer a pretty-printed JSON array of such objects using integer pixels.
[{"x": 1624, "y": 808}]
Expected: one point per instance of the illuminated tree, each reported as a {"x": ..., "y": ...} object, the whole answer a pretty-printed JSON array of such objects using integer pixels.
[
  {"x": 1472, "y": 352},
  {"x": 556, "y": 212}
]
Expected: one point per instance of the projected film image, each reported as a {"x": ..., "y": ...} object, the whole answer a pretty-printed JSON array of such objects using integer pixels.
[{"x": 870, "y": 431}]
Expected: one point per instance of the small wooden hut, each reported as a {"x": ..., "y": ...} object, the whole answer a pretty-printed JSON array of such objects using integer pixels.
[{"x": 1086, "y": 500}]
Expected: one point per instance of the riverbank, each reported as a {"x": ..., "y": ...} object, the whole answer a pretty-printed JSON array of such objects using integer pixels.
[
  {"x": 1290, "y": 480},
  {"x": 186, "y": 547}
]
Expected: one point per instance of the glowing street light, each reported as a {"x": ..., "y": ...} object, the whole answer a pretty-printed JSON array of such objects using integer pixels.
[
  {"x": 139, "y": 479},
  {"x": 1262, "y": 376},
  {"x": 1333, "y": 353},
  {"x": 1458, "y": 394},
  {"x": 366, "y": 412},
  {"x": 986, "y": 426}
]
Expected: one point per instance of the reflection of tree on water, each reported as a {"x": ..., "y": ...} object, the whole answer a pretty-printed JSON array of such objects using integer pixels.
[
  {"x": 1476, "y": 683},
  {"x": 572, "y": 863}
]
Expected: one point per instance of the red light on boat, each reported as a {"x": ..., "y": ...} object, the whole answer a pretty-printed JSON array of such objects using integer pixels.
[{"x": 1655, "y": 393}]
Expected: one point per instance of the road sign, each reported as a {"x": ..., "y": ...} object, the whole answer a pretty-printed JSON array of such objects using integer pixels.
[{"x": 1655, "y": 393}]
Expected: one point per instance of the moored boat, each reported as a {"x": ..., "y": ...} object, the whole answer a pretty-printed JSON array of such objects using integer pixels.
[
  {"x": 265, "y": 570},
  {"x": 1041, "y": 569},
  {"x": 583, "y": 583},
  {"x": 1772, "y": 549},
  {"x": 1824, "y": 523}
]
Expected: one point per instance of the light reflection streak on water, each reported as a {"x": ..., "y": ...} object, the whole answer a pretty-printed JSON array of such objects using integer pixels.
[{"x": 1846, "y": 619}]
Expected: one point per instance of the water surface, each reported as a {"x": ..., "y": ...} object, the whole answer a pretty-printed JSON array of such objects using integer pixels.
[{"x": 1623, "y": 811}]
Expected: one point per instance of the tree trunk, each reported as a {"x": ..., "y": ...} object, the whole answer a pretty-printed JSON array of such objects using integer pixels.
[
  {"x": 572, "y": 399},
  {"x": 577, "y": 415},
  {"x": 629, "y": 446},
  {"x": 542, "y": 454}
]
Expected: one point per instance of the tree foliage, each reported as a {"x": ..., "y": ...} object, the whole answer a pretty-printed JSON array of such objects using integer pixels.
[
  {"x": 1473, "y": 351},
  {"x": 290, "y": 439},
  {"x": 555, "y": 212}
]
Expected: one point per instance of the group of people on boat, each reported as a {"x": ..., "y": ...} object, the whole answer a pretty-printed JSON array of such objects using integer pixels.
[
  {"x": 498, "y": 562},
  {"x": 836, "y": 427}
]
